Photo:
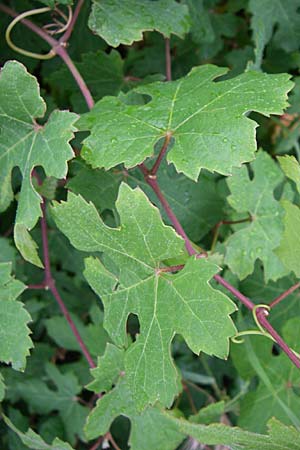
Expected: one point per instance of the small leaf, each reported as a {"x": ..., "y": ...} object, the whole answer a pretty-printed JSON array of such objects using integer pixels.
[
  {"x": 26, "y": 245},
  {"x": 124, "y": 22}
]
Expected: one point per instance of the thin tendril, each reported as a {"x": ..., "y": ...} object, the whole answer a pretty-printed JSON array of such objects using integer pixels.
[
  {"x": 260, "y": 332},
  {"x": 236, "y": 339},
  {"x": 254, "y": 312},
  {"x": 67, "y": 19},
  {"x": 10, "y": 27}
]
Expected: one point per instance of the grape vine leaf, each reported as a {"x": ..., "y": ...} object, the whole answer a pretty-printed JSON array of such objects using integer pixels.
[
  {"x": 259, "y": 238},
  {"x": 162, "y": 429},
  {"x": 289, "y": 248},
  {"x": 15, "y": 341},
  {"x": 165, "y": 303},
  {"x": 124, "y": 22},
  {"x": 206, "y": 120},
  {"x": 26, "y": 144},
  {"x": 276, "y": 394},
  {"x": 281, "y": 16},
  {"x": 34, "y": 441}
]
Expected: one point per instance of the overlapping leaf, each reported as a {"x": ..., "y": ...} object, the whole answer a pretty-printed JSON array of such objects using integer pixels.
[
  {"x": 206, "y": 120},
  {"x": 15, "y": 341},
  {"x": 26, "y": 144},
  {"x": 259, "y": 238},
  {"x": 165, "y": 303},
  {"x": 124, "y": 22}
]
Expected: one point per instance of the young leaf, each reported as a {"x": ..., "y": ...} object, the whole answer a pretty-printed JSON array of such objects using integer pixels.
[
  {"x": 26, "y": 144},
  {"x": 165, "y": 303},
  {"x": 15, "y": 341},
  {"x": 34, "y": 441},
  {"x": 124, "y": 22},
  {"x": 259, "y": 238},
  {"x": 206, "y": 120}
]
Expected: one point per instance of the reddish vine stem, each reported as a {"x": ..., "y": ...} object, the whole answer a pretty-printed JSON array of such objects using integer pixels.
[
  {"x": 49, "y": 283},
  {"x": 168, "y": 60},
  {"x": 66, "y": 36},
  {"x": 262, "y": 313},
  {"x": 97, "y": 443},
  {"x": 161, "y": 155},
  {"x": 59, "y": 48},
  {"x": 226, "y": 222},
  {"x": 262, "y": 318},
  {"x": 284, "y": 295},
  {"x": 151, "y": 180},
  {"x": 112, "y": 441}
]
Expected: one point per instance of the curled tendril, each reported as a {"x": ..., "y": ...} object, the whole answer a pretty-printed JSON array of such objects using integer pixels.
[
  {"x": 60, "y": 28},
  {"x": 266, "y": 308},
  {"x": 236, "y": 339},
  {"x": 260, "y": 332},
  {"x": 57, "y": 25}
]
